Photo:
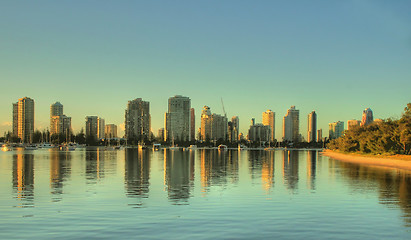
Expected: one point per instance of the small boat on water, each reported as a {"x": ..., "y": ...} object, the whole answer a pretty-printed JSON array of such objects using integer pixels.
[
  {"x": 222, "y": 147},
  {"x": 156, "y": 146},
  {"x": 192, "y": 147},
  {"x": 30, "y": 147},
  {"x": 68, "y": 147},
  {"x": 6, "y": 148}
]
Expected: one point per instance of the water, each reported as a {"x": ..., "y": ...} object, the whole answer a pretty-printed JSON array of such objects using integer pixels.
[{"x": 202, "y": 194}]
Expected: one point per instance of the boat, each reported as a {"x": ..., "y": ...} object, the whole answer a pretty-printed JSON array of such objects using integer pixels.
[
  {"x": 192, "y": 147},
  {"x": 46, "y": 145},
  {"x": 222, "y": 147},
  {"x": 156, "y": 146},
  {"x": 173, "y": 147},
  {"x": 6, "y": 147},
  {"x": 68, "y": 147},
  {"x": 241, "y": 147},
  {"x": 30, "y": 147}
]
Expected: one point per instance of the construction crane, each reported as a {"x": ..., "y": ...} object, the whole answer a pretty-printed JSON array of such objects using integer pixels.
[{"x": 222, "y": 103}]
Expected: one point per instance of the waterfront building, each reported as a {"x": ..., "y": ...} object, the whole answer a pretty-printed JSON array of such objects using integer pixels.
[
  {"x": 353, "y": 123},
  {"x": 23, "y": 119},
  {"x": 193, "y": 125},
  {"x": 291, "y": 125},
  {"x": 110, "y": 131},
  {"x": 259, "y": 133},
  {"x": 233, "y": 129},
  {"x": 312, "y": 127},
  {"x": 367, "y": 117},
  {"x": 59, "y": 123},
  {"x": 161, "y": 134},
  {"x": 336, "y": 129},
  {"x": 320, "y": 135},
  {"x": 269, "y": 120},
  {"x": 137, "y": 120},
  {"x": 15, "y": 119},
  {"x": 92, "y": 127},
  {"x": 178, "y": 119},
  {"x": 213, "y": 126}
]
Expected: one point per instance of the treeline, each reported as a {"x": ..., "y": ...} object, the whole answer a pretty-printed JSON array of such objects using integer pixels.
[{"x": 386, "y": 137}]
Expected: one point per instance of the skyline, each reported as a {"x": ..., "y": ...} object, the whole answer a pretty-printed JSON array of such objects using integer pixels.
[{"x": 337, "y": 58}]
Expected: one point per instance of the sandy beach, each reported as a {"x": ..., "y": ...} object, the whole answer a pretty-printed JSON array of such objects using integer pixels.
[{"x": 395, "y": 161}]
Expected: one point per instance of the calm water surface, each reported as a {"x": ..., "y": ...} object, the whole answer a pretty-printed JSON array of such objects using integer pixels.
[{"x": 202, "y": 194}]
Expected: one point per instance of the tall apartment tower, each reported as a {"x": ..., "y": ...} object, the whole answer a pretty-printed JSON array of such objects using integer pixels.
[
  {"x": 269, "y": 120},
  {"x": 193, "y": 125},
  {"x": 15, "y": 119},
  {"x": 352, "y": 124},
  {"x": 95, "y": 127},
  {"x": 205, "y": 129},
  {"x": 233, "y": 129},
  {"x": 312, "y": 127},
  {"x": 178, "y": 119},
  {"x": 137, "y": 120},
  {"x": 336, "y": 129},
  {"x": 291, "y": 125},
  {"x": 213, "y": 126},
  {"x": 320, "y": 135},
  {"x": 23, "y": 121},
  {"x": 367, "y": 117},
  {"x": 56, "y": 109},
  {"x": 59, "y": 123},
  {"x": 110, "y": 131}
]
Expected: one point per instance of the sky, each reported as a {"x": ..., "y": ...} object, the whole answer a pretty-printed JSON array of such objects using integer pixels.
[{"x": 334, "y": 57}]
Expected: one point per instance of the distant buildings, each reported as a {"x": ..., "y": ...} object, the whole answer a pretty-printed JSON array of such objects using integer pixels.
[
  {"x": 233, "y": 129},
  {"x": 213, "y": 126},
  {"x": 312, "y": 127},
  {"x": 161, "y": 134},
  {"x": 137, "y": 120},
  {"x": 259, "y": 132},
  {"x": 367, "y": 117},
  {"x": 336, "y": 129},
  {"x": 23, "y": 119},
  {"x": 192, "y": 125},
  {"x": 320, "y": 135},
  {"x": 353, "y": 123},
  {"x": 95, "y": 127},
  {"x": 110, "y": 131},
  {"x": 59, "y": 123},
  {"x": 291, "y": 125},
  {"x": 178, "y": 119},
  {"x": 269, "y": 120}
]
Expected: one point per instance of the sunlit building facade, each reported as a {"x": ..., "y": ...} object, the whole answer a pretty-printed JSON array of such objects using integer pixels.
[
  {"x": 23, "y": 122},
  {"x": 110, "y": 131},
  {"x": 178, "y": 119},
  {"x": 291, "y": 125},
  {"x": 336, "y": 129},
  {"x": 312, "y": 127},
  {"x": 213, "y": 126},
  {"x": 367, "y": 117},
  {"x": 95, "y": 127},
  {"x": 353, "y": 123},
  {"x": 233, "y": 129},
  {"x": 320, "y": 135},
  {"x": 59, "y": 123},
  {"x": 259, "y": 133},
  {"x": 269, "y": 120}
]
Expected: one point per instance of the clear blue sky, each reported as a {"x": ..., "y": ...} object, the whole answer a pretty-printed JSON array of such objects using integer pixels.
[{"x": 335, "y": 57}]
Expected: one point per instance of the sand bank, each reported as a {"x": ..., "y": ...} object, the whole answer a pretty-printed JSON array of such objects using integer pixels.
[{"x": 395, "y": 161}]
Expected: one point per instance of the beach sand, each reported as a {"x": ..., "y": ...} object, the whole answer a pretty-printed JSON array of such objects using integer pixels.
[{"x": 395, "y": 161}]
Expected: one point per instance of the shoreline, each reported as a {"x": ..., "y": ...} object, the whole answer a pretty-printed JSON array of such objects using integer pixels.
[{"x": 395, "y": 161}]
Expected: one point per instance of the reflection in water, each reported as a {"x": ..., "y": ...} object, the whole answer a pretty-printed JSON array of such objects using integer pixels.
[
  {"x": 290, "y": 169},
  {"x": 311, "y": 168},
  {"x": 218, "y": 167},
  {"x": 94, "y": 165},
  {"x": 394, "y": 186},
  {"x": 178, "y": 174},
  {"x": 262, "y": 167},
  {"x": 60, "y": 169},
  {"x": 137, "y": 173},
  {"x": 23, "y": 178}
]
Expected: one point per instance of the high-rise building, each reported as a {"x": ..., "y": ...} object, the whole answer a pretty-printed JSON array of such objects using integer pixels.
[
  {"x": 101, "y": 127},
  {"x": 336, "y": 129},
  {"x": 320, "y": 135},
  {"x": 367, "y": 117},
  {"x": 24, "y": 121},
  {"x": 353, "y": 123},
  {"x": 15, "y": 119},
  {"x": 312, "y": 127},
  {"x": 233, "y": 129},
  {"x": 213, "y": 126},
  {"x": 291, "y": 125},
  {"x": 92, "y": 127},
  {"x": 178, "y": 119},
  {"x": 193, "y": 125},
  {"x": 59, "y": 123},
  {"x": 137, "y": 120},
  {"x": 269, "y": 120},
  {"x": 110, "y": 131},
  {"x": 259, "y": 133},
  {"x": 161, "y": 133}
]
